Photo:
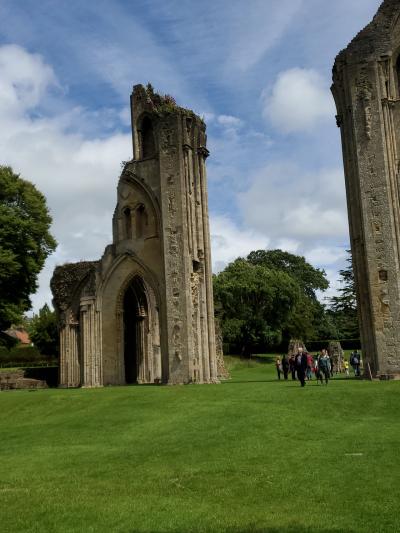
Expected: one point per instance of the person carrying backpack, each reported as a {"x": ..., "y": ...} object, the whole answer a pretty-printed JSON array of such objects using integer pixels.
[
  {"x": 324, "y": 365},
  {"x": 355, "y": 362}
]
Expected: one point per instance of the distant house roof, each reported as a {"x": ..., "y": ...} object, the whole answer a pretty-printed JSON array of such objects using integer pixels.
[{"x": 20, "y": 334}]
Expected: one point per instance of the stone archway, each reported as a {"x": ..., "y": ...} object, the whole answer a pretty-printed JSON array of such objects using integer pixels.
[
  {"x": 140, "y": 333},
  {"x": 135, "y": 317}
]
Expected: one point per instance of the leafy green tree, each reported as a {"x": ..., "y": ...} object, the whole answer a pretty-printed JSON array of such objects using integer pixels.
[
  {"x": 270, "y": 297},
  {"x": 25, "y": 243},
  {"x": 309, "y": 278},
  {"x": 43, "y": 331},
  {"x": 253, "y": 303},
  {"x": 343, "y": 307},
  {"x": 309, "y": 319}
]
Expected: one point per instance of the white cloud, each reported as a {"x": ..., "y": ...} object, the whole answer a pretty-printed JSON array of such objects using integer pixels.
[
  {"x": 229, "y": 120},
  {"x": 326, "y": 255},
  {"x": 334, "y": 284},
  {"x": 228, "y": 241},
  {"x": 24, "y": 79},
  {"x": 207, "y": 116},
  {"x": 298, "y": 101},
  {"x": 78, "y": 175},
  {"x": 285, "y": 202},
  {"x": 236, "y": 35},
  {"x": 78, "y": 171},
  {"x": 300, "y": 212},
  {"x": 289, "y": 245},
  {"x": 254, "y": 28}
]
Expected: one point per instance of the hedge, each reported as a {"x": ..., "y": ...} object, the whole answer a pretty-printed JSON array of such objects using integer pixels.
[
  {"x": 346, "y": 344},
  {"x": 4, "y": 353},
  {"x": 25, "y": 354}
]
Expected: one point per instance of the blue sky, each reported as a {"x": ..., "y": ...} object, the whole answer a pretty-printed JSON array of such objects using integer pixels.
[{"x": 258, "y": 71}]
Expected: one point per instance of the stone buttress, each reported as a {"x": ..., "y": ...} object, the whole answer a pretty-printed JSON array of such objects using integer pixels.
[{"x": 367, "y": 94}]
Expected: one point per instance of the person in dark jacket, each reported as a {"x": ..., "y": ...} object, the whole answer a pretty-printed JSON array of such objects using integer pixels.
[
  {"x": 324, "y": 365},
  {"x": 285, "y": 366},
  {"x": 292, "y": 366},
  {"x": 355, "y": 362},
  {"x": 278, "y": 364},
  {"x": 301, "y": 365}
]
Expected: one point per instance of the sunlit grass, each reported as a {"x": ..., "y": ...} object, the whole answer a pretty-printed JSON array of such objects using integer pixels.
[{"x": 249, "y": 455}]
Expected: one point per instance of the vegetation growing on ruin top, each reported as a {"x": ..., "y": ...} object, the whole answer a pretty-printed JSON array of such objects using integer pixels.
[
  {"x": 165, "y": 103},
  {"x": 66, "y": 278}
]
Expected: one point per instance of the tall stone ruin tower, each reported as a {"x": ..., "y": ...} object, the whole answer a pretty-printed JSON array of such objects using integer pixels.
[
  {"x": 366, "y": 88},
  {"x": 144, "y": 313}
]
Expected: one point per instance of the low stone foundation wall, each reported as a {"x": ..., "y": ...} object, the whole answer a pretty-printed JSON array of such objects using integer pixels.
[
  {"x": 16, "y": 380},
  {"x": 388, "y": 377}
]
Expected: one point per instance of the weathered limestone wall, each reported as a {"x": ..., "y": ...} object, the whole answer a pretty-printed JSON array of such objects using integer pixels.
[
  {"x": 70, "y": 368},
  {"x": 159, "y": 262},
  {"x": 91, "y": 343},
  {"x": 366, "y": 91},
  {"x": 186, "y": 243},
  {"x": 336, "y": 354}
]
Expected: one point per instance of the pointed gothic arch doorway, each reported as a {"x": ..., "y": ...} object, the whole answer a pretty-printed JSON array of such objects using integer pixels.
[{"x": 142, "y": 358}]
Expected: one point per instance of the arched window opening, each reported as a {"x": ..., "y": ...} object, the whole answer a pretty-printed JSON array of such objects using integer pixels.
[
  {"x": 147, "y": 138},
  {"x": 398, "y": 74},
  {"x": 141, "y": 221},
  {"x": 128, "y": 223},
  {"x": 136, "y": 327}
]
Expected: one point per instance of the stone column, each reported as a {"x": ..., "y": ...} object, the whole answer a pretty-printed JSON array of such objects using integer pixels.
[
  {"x": 69, "y": 352},
  {"x": 140, "y": 350},
  {"x": 177, "y": 260},
  {"x": 90, "y": 343},
  {"x": 203, "y": 154},
  {"x": 155, "y": 344}
]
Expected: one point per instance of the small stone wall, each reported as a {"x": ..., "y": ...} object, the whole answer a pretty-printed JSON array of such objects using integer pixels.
[
  {"x": 337, "y": 355},
  {"x": 16, "y": 380}
]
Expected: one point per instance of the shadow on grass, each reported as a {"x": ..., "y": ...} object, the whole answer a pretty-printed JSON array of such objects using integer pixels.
[
  {"x": 287, "y": 529},
  {"x": 254, "y": 529},
  {"x": 233, "y": 381},
  {"x": 288, "y": 384}
]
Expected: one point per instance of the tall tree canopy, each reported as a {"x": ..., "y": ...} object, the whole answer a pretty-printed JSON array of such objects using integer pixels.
[
  {"x": 309, "y": 278},
  {"x": 343, "y": 307},
  {"x": 308, "y": 319},
  {"x": 269, "y": 297},
  {"x": 25, "y": 243}
]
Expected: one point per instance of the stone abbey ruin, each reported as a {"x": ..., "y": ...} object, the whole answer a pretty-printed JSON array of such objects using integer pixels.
[
  {"x": 144, "y": 313},
  {"x": 366, "y": 88}
]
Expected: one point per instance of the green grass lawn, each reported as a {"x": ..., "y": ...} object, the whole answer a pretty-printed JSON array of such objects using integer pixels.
[{"x": 249, "y": 455}]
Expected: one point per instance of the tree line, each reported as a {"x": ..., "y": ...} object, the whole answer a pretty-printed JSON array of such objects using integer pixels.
[{"x": 269, "y": 297}]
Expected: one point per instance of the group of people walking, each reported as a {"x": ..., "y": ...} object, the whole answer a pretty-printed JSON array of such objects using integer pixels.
[{"x": 303, "y": 365}]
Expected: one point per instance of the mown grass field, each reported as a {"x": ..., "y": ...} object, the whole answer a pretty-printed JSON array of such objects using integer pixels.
[{"x": 249, "y": 455}]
